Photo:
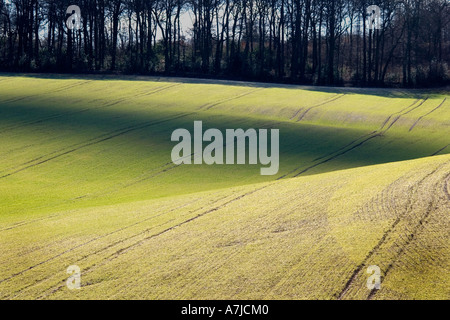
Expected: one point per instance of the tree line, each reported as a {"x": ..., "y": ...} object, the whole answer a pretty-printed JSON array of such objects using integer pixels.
[{"x": 301, "y": 41}]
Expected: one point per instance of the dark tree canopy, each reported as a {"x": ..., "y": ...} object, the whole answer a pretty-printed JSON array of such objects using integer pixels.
[{"x": 301, "y": 41}]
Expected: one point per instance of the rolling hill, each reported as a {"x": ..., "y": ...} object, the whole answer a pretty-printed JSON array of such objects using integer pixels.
[{"x": 86, "y": 179}]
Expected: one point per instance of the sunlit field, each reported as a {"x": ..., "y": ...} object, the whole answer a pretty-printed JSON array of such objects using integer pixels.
[{"x": 86, "y": 179}]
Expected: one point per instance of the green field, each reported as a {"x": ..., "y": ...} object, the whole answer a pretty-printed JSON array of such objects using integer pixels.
[{"x": 86, "y": 179}]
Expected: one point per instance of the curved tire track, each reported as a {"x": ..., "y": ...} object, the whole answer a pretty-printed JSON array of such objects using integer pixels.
[
  {"x": 414, "y": 190},
  {"x": 108, "y": 104},
  {"x": 420, "y": 118},
  {"x": 302, "y": 116},
  {"x": 97, "y": 140},
  {"x": 48, "y": 92},
  {"x": 356, "y": 143},
  {"x": 132, "y": 246},
  {"x": 209, "y": 106}
]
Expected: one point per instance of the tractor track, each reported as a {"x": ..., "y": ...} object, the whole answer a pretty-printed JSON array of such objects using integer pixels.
[
  {"x": 338, "y": 155},
  {"x": 358, "y": 269},
  {"x": 123, "y": 250},
  {"x": 421, "y": 117},
  {"x": 236, "y": 252},
  {"x": 432, "y": 206},
  {"x": 84, "y": 110},
  {"x": 209, "y": 106},
  {"x": 92, "y": 141},
  {"x": 122, "y": 229},
  {"x": 302, "y": 116},
  {"x": 165, "y": 168},
  {"x": 101, "y": 237},
  {"x": 108, "y": 104},
  {"x": 367, "y": 137},
  {"x": 12, "y": 100},
  {"x": 108, "y": 136},
  {"x": 330, "y": 156},
  {"x": 130, "y": 247},
  {"x": 398, "y": 112},
  {"x": 219, "y": 264},
  {"x": 440, "y": 150},
  {"x": 346, "y": 146},
  {"x": 296, "y": 113},
  {"x": 406, "y": 112},
  {"x": 407, "y": 210},
  {"x": 446, "y": 184},
  {"x": 23, "y": 223}
]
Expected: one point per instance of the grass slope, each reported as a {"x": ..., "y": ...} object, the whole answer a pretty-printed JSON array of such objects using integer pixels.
[
  {"x": 86, "y": 179},
  {"x": 315, "y": 241}
]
